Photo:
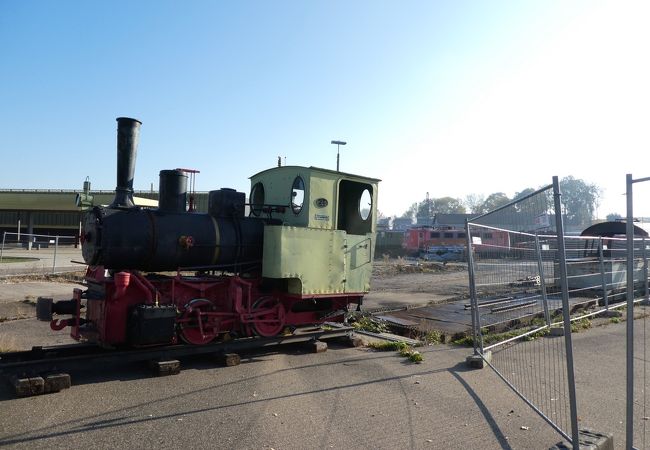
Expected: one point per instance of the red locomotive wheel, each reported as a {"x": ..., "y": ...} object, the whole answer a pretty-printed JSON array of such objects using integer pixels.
[
  {"x": 271, "y": 320},
  {"x": 197, "y": 327}
]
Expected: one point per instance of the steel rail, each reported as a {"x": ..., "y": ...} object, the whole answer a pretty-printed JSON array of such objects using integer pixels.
[{"x": 79, "y": 356}]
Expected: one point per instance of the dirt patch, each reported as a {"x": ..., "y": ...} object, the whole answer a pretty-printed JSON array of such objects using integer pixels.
[
  {"x": 436, "y": 279},
  {"x": 398, "y": 266},
  {"x": 68, "y": 277},
  {"x": 18, "y": 299}
]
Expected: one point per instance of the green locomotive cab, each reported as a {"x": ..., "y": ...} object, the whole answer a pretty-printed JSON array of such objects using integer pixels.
[{"x": 326, "y": 242}]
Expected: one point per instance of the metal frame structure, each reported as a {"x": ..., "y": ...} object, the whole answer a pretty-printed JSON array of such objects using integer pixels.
[
  {"x": 536, "y": 264},
  {"x": 57, "y": 241},
  {"x": 629, "y": 406}
]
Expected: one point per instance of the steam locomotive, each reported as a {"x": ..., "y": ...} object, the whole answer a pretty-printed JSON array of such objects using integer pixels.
[{"x": 303, "y": 255}]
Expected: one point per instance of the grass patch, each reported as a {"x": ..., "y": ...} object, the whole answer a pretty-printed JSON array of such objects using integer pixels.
[
  {"x": 412, "y": 355},
  {"x": 538, "y": 322},
  {"x": 403, "y": 348},
  {"x": 432, "y": 337},
  {"x": 615, "y": 319},
  {"x": 493, "y": 338},
  {"x": 580, "y": 325},
  {"x": 16, "y": 259},
  {"x": 388, "y": 346},
  {"x": 67, "y": 277},
  {"x": 538, "y": 334},
  {"x": 464, "y": 341}
]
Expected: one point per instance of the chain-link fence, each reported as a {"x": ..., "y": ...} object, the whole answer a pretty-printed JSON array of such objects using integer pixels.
[{"x": 23, "y": 253}]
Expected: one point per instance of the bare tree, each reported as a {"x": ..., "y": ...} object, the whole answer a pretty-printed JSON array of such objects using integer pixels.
[{"x": 473, "y": 202}]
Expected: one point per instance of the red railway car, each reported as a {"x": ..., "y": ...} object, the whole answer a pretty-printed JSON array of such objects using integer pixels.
[{"x": 419, "y": 239}]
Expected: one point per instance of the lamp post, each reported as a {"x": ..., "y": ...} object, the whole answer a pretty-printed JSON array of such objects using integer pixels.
[{"x": 338, "y": 144}]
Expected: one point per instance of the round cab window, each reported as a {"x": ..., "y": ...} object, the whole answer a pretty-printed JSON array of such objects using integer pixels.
[
  {"x": 297, "y": 195},
  {"x": 257, "y": 198},
  {"x": 365, "y": 204}
]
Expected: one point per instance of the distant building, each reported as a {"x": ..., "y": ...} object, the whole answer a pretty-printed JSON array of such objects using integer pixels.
[
  {"x": 383, "y": 223},
  {"x": 402, "y": 223},
  {"x": 423, "y": 221},
  {"x": 451, "y": 220},
  {"x": 57, "y": 212}
]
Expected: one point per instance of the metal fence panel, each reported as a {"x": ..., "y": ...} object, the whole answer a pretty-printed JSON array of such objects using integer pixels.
[
  {"x": 516, "y": 291},
  {"x": 23, "y": 253},
  {"x": 636, "y": 292}
]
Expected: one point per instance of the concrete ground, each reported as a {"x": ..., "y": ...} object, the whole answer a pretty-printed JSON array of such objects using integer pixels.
[
  {"x": 344, "y": 398},
  {"x": 287, "y": 398},
  {"x": 282, "y": 399},
  {"x": 43, "y": 261}
]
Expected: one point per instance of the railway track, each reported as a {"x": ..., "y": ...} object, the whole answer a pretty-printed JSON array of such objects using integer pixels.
[{"x": 44, "y": 370}]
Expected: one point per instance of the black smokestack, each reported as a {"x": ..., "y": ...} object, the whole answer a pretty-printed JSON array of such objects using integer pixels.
[
  {"x": 172, "y": 195},
  {"x": 128, "y": 133}
]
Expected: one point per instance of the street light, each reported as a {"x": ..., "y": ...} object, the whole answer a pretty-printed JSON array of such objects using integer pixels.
[{"x": 338, "y": 144}]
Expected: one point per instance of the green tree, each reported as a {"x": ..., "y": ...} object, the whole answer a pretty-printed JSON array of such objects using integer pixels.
[
  {"x": 612, "y": 217},
  {"x": 410, "y": 212},
  {"x": 425, "y": 211},
  {"x": 579, "y": 200},
  {"x": 448, "y": 205},
  {"x": 493, "y": 202},
  {"x": 524, "y": 205},
  {"x": 523, "y": 193}
]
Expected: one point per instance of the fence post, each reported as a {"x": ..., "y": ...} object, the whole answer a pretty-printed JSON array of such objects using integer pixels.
[
  {"x": 575, "y": 437},
  {"x": 472, "y": 293},
  {"x": 629, "y": 234},
  {"x": 602, "y": 273},
  {"x": 542, "y": 280},
  {"x": 56, "y": 246},
  {"x": 4, "y": 235},
  {"x": 645, "y": 271}
]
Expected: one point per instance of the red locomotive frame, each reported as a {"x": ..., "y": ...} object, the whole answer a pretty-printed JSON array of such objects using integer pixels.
[{"x": 206, "y": 307}]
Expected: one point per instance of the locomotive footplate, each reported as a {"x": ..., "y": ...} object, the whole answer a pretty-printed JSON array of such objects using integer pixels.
[{"x": 28, "y": 370}]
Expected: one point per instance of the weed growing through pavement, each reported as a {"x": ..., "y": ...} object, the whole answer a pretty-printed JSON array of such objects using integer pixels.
[
  {"x": 432, "y": 337},
  {"x": 580, "y": 325},
  {"x": 369, "y": 324},
  {"x": 388, "y": 346},
  {"x": 403, "y": 348}
]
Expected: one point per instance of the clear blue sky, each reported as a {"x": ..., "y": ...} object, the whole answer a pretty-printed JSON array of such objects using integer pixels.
[{"x": 450, "y": 98}]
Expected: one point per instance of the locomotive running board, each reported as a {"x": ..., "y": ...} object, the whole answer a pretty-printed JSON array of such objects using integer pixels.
[{"x": 28, "y": 365}]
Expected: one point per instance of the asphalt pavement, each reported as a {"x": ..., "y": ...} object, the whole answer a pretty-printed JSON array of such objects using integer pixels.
[{"x": 286, "y": 398}]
